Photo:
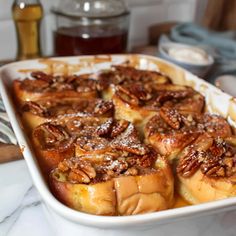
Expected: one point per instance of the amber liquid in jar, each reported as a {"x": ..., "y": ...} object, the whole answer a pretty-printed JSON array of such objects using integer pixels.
[
  {"x": 89, "y": 40},
  {"x": 27, "y": 21}
]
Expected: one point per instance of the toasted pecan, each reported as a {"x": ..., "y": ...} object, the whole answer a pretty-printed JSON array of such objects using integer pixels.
[{"x": 129, "y": 141}]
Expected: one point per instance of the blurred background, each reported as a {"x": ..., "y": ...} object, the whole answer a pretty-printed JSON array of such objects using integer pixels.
[{"x": 144, "y": 14}]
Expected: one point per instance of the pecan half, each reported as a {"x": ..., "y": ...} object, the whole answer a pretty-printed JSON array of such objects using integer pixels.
[
  {"x": 171, "y": 92},
  {"x": 56, "y": 131},
  {"x": 171, "y": 117},
  {"x": 85, "y": 85},
  {"x": 144, "y": 161},
  {"x": 34, "y": 85},
  {"x": 105, "y": 128},
  {"x": 106, "y": 78},
  {"x": 34, "y": 108},
  {"x": 214, "y": 125},
  {"x": 39, "y": 75},
  {"x": 136, "y": 75},
  {"x": 52, "y": 136},
  {"x": 89, "y": 142},
  {"x": 102, "y": 107},
  {"x": 190, "y": 163},
  {"x": 119, "y": 127},
  {"x": 141, "y": 92},
  {"x": 129, "y": 141},
  {"x": 125, "y": 95},
  {"x": 77, "y": 170}
]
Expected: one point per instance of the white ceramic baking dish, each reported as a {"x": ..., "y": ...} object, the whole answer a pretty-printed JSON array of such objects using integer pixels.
[{"x": 64, "y": 217}]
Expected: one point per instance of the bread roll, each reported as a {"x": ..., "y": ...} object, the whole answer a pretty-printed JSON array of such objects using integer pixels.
[
  {"x": 118, "y": 189},
  {"x": 127, "y": 75},
  {"x": 44, "y": 86},
  {"x": 170, "y": 130},
  {"x": 55, "y": 110},
  {"x": 52, "y": 144},
  {"x": 137, "y": 103},
  {"x": 207, "y": 169}
]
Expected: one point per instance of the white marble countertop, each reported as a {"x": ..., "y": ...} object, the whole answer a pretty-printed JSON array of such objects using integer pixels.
[{"x": 22, "y": 213}]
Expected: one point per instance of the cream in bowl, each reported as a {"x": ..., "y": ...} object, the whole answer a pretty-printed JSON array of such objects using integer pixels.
[
  {"x": 192, "y": 58},
  {"x": 189, "y": 55}
]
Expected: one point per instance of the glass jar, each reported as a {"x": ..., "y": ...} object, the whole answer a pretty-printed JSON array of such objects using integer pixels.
[{"x": 91, "y": 27}]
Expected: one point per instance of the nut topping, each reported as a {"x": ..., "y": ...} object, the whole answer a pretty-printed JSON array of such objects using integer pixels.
[
  {"x": 216, "y": 161},
  {"x": 171, "y": 117},
  {"x": 78, "y": 171},
  {"x": 53, "y": 136},
  {"x": 92, "y": 142},
  {"x": 119, "y": 127},
  {"x": 189, "y": 164},
  {"x": 105, "y": 128},
  {"x": 103, "y": 107},
  {"x": 57, "y": 132},
  {"x": 85, "y": 85},
  {"x": 39, "y": 75},
  {"x": 125, "y": 95},
  {"x": 129, "y": 141},
  {"x": 35, "y": 108},
  {"x": 140, "y": 92}
]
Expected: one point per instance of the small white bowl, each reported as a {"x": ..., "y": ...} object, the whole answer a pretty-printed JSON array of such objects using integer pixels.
[{"x": 197, "y": 65}]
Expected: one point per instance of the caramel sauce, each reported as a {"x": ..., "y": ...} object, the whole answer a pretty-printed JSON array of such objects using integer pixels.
[
  {"x": 26, "y": 71},
  {"x": 180, "y": 202},
  {"x": 53, "y": 66}
]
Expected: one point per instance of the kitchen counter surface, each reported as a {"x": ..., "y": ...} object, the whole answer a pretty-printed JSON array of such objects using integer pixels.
[{"x": 22, "y": 212}]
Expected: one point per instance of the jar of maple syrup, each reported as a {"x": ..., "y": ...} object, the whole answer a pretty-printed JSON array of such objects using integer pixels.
[{"x": 91, "y": 27}]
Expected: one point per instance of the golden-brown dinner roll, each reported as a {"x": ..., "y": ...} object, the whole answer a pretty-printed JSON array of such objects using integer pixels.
[
  {"x": 170, "y": 130},
  {"x": 137, "y": 103},
  {"x": 55, "y": 141},
  {"x": 44, "y": 86},
  {"x": 126, "y": 185},
  {"x": 52, "y": 144},
  {"x": 126, "y": 75},
  {"x": 54, "y": 110},
  {"x": 207, "y": 169}
]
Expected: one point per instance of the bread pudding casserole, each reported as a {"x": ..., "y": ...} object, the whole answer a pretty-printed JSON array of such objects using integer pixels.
[{"x": 124, "y": 141}]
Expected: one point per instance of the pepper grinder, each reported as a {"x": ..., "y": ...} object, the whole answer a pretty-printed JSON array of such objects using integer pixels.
[{"x": 27, "y": 15}]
